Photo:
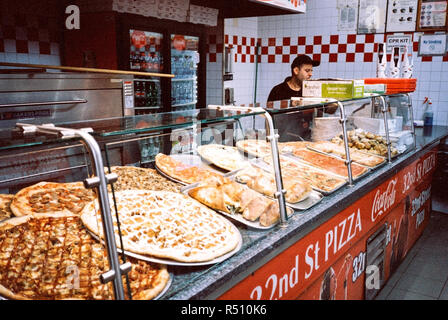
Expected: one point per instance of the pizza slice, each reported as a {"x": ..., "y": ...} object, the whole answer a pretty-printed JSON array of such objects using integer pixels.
[
  {"x": 182, "y": 172},
  {"x": 332, "y": 164},
  {"x": 319, "y": 179},
  {"x": 255, "y": 147},
  {"x": 54, "y": 257},
  {"x": 5, "y": 206},
  {"x": 233, "y": 198},
  {"x": 224, "y": 157},
  {"x": 264, "y": 182},
  {"x": 363, "y": 158},
  {"x": 51, "y": 197},
  {"x": 130, "y": 177},
  {"x": 291, "y": 146}
]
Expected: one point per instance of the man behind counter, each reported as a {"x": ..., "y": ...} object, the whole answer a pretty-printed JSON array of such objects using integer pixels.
[{"x": 293, "y": 126}]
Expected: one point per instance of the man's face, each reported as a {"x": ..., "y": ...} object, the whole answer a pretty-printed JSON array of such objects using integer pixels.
[{"x": 305, "y": 72}]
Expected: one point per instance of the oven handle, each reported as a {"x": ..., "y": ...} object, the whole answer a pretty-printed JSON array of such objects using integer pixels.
[{"x": 43, "y": 103}]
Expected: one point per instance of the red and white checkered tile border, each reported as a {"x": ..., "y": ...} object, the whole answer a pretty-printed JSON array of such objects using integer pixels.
[
  {"x": 29, "y": 34},
  {"x": 338, "y": 48}
]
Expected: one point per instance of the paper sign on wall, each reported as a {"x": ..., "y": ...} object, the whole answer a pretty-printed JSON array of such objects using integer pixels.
[
  {"x": 400, "y": 41},
  {"x": 432, "y": 45}
]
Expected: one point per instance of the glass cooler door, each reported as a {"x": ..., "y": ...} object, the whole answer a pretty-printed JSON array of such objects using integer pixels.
[
  {"x": 184, "y": 66},
  {"x": 146, "y": 55}
]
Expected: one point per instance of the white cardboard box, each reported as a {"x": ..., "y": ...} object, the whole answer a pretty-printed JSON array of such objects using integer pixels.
[{"x": 334, "y": 88}]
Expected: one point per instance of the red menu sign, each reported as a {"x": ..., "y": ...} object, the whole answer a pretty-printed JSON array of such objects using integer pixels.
[
  {"x": 292, "y": 5},
  {"x": 330, "y": 262}
]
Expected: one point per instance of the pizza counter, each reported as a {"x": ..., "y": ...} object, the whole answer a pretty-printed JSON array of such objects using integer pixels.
[
  {"x": 233, "y": 245},
  {"x": 293, "y": 261}
]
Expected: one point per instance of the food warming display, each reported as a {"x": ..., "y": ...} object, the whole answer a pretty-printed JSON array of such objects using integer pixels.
[{"x": 178, "y": 214}]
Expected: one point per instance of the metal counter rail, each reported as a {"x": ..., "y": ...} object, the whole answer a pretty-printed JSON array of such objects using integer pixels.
[{"x": 99, "y": 181}]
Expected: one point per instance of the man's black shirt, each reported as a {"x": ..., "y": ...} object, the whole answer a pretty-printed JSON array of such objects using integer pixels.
[
  {"x": 282, "y": 91},
  {"x": 290, "y": 126}
]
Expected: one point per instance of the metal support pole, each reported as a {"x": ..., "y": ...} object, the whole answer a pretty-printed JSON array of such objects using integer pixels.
[
  {"x": 101, "y": 184},
  {"x": 386, "y": 128},
  {"x": 412, "y": 119},
  {"x": 348, "y": 161},
  {"x": 280, "y": 194}
]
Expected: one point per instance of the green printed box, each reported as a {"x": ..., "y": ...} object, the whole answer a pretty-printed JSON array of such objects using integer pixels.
[{"x": 335, "y": 88}]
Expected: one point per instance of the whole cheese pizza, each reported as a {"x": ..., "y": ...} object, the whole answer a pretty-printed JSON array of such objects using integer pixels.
[
  {"x": 255, "y": 147},
  {"x": 51, "y": 197},
  {"x": 53, "y": 257},
  {"x": 319, "y": 180},
  {"x": 225, "y": 157},
  {"x": 363, "y": 158},
  {"x": 142, "y": 178},
  {"x": 166, "y": 225},
  {"x": 332, "y": 164},
  {"x": 180, "y": 171},
  {"x": 5, "y": 206}
]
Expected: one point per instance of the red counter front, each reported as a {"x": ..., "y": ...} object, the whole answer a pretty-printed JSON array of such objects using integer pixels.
[{"x": 353, "y": 254}]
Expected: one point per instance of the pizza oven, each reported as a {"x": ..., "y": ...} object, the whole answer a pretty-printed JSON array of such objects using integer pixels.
[{"x": 56, "y": 98}]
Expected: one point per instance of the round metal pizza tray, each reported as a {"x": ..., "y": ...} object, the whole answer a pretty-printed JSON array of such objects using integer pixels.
[
  {"x": 188, "y": 264},
  {"x": 160, "y": 295},
  {"x": 163, "y": 174},
  {"x": 188, "y": 159},
  {"x": 194, "y": 160},
  {"x": 180, "y": 263},
  {"x": 313, "y": 198},
  {"x": 217, "y": 164},
  {"x": 167, "y": 286},
  {"x": 250, "y": 153}
]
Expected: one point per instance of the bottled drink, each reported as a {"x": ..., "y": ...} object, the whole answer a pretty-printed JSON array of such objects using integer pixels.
[
  {"x": 155, "y": 94},
  {"x": 150, "y": 62},
  {"x": 135, "y": 60},
  {"x": 142, "y": 60},
  {"x": 148, "y": 93},
  {"x": 181, "y": 66},
  {"x": 428, "y": 115},
  {"x": 395, "y": 63},
  {"x": 382, "y": 61},
  {"x": 156, "y": 63},
  {"x": 138, "y": 91}
]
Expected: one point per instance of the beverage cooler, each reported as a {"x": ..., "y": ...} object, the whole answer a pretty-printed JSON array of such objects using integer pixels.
[
  {"x": 184, "y": 66},
  {"x": 122, "y": 41},
  {"x": 164, "y": 52}
]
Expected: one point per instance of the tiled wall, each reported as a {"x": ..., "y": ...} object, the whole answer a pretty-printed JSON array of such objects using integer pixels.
[
  {"x": 29, "y": 33},
  {"x": 215, "y": 43},
  {"x": 343, "y": 54},
  {"x": 241, "y": 34}
]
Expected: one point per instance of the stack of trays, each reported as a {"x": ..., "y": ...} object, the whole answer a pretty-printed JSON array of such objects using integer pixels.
[{"x": 397, "y": 85}]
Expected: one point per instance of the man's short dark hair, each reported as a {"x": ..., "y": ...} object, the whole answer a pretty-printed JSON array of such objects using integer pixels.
[{"x": 303, "y": 59}]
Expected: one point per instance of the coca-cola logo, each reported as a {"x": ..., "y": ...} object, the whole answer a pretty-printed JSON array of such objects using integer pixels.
[
  {"x": 384, "y": 200},
  {"x": 138, "y": 39},
  {"x": 179, "y": 43}
]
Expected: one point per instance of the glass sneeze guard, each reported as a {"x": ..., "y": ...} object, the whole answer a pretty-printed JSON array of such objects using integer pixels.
[{"x": 13, "y": 137}]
